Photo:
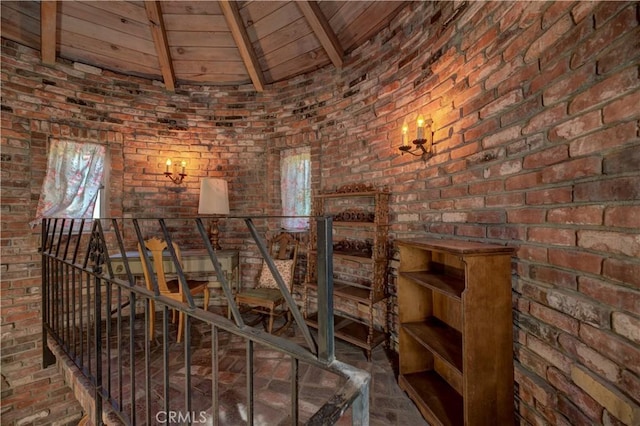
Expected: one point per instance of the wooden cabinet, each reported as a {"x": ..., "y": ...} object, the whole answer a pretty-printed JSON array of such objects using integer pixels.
[
  {"x": 456, "y": 332},
  {"x": 360, "y": 241}
]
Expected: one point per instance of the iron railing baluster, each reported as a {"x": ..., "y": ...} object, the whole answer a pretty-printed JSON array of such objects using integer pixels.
[
  {"x": 86, "y": 352},
  {"x": 119, "y": 347},
  {"x": 179, "y": 272},
  {"x": 165, "y": 358},
  {"x": 47, "y": 355},
  {"x": 145, "y": 258},
  {"x": 59, "y": 240},
  {"x": 326, "y": 350},
  {"x": 80, "y": 326},
  {"x": 123, "y": 252},
  {"x": 291, "y": 304},
  {"x": 73, "y": 294},
  {"x": 76, "y": 249},
  {"x": 215, "y": 394},
  {"x": 132, "y": 361},
  {"x": 222, "y": 279},
  {"x": 147, "y": 363},
  {"x": 187, "y": 363},
  {"x": 55, "y": 280},
  {"x": 68, "y": 239},
  {"x": 294, "y": 391},
  {"x": 108, "y": 319},
  {"x": 98, "y": 346},
  {"x": 249, "y": 369},
  {"x": 90, "y": 321}
]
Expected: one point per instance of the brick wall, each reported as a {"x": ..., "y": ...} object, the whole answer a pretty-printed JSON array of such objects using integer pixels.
[
  {"x": 217, "y": 133},
  {"x": 535, "y": 110}
]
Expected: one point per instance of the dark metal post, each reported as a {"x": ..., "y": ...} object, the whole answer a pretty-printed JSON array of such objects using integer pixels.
[
  {"x": 78, "y": 286},
  {"x": 97, "y": 333},
  {"x": 48, "y": 358},
  {"x": 326, "y": 350},
  {"x": 295, "y": 388},
  {"x": 249, "y": 382}
]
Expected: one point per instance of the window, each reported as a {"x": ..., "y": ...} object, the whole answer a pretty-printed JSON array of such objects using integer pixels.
[
  {"x": 295, "y": 187},
  {"x": 71, "y": 185}
]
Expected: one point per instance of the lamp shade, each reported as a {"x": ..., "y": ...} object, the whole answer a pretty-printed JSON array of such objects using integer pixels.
[{"x": 214, "y": 196}]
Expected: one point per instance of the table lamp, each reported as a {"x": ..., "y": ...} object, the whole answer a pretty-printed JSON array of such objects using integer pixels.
[{"x": 214, "y": 199}]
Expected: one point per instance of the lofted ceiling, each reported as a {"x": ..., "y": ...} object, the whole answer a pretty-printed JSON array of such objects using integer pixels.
[{"x": 198, "y": 42}]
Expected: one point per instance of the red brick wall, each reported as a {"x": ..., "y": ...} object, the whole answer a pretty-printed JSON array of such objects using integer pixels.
[
  {"x": 535, "y": 110},
  {"x": 216, "y": 133}
]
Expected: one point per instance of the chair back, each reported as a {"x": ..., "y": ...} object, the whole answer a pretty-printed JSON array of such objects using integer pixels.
[
  {"x": 283, "y": 248},
  {"x": 157, "y": 247}
]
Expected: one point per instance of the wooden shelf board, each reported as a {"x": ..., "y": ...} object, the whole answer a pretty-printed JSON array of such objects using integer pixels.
[
  {"x": 446, "y": 284},
  {"x": 357, "y": 294},
  {"x": 359, "y": 259},
  {"x": 442, "y": 340},
  {"x": 438, "y": 402},
  {"x": 351, "y": 331},
  {"x": 351, "y": 292},
  {"x": 343, "y": 282},
  {"x": 460, "y": 247},
  {"x": 349, "y": 194},
  {"x": 363, "y": 258}
]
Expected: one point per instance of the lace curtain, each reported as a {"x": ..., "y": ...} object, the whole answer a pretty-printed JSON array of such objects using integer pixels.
[
  {"x": 295, "y": 186},
  {"x": 74, "y": 175}
]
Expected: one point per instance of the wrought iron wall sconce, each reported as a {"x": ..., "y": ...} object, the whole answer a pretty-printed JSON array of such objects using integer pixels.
[
  {"x": 423, "y": 142},
  {"x": 180, "y": 177}
]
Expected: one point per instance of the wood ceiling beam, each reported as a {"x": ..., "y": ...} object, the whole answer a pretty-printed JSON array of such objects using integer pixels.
[
  {"x": 48, "y": 30},
  {"x": 323, "y": 31},
  {"x": 156, "y": 23},
  {"x": 239, "y": 33}
]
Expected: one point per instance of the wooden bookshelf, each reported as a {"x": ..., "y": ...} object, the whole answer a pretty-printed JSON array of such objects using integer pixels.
[
  {"x": 361, "y": 214},
  {"x": 456, "y": 341}
]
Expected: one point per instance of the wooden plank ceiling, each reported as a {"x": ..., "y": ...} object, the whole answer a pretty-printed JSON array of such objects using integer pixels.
[{"x": 203, "y": 42}]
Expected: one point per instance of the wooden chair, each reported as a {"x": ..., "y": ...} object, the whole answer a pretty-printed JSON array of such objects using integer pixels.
[
  {"x": 266, "y": 298},
  {"x": 170, "y": 288}
]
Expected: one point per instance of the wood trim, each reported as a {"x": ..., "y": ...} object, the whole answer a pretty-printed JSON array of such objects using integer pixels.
[
  {"x": 234, "y": 21},
  {"x": 156, "y": 23},
  {"x": 48, "y": 29},
  {"x": 323, "y": 31}
]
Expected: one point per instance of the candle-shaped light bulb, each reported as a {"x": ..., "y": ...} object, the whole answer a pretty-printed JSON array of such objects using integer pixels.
[
  {"x": 405, "y": 133},
  {"x": 168, "y": 164},
  {"x": 183, "y": 164},
  {"x": 420, "y": 135}
]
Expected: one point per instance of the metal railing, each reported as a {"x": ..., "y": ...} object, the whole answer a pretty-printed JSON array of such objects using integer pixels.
[{"x": 100, "y": 320}]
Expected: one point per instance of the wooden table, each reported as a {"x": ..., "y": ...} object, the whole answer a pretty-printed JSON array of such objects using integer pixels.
[{"x": 195, "y": 264}]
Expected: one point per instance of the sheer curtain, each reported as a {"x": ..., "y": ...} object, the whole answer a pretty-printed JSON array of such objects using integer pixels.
[
  {"x": 74, "y": 175},
  {"x": 295, "y": 186}
]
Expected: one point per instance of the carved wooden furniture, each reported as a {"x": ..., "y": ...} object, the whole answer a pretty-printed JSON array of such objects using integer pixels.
[
  {"x": 360, "y": 240},
  {"x": 169, "y": 288},
  {"x": 456, "y": 342},
  {"x": 266, "y": 299}
]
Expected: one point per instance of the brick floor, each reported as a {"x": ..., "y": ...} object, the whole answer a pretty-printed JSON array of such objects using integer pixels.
[{"x": 388, "y": 404}]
